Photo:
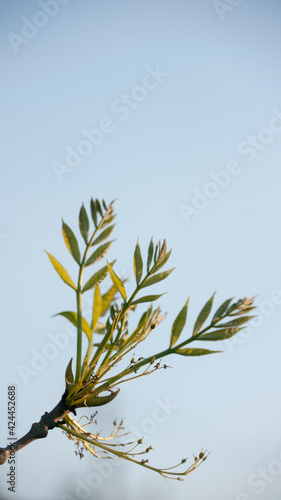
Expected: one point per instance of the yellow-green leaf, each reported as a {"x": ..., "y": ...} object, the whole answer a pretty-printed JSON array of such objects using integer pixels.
[
  {"x": 179, "y": 324},
  {"x": 97, "y": 307},
  {"x": 138, "y": 265},
  {"x": 194, "y": 352},
  {"x": 108, "y": 298},
  {"x": 203, "y": 315},
  {"x": 72, "y": 317},
  {"x": 117, "y": 282},
  {"x": 71, "y": 242},
  {"x": 62, "y": 272}
]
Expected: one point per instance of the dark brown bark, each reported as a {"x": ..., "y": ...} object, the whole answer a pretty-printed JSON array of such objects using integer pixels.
[{"x": 38, "y": 430}]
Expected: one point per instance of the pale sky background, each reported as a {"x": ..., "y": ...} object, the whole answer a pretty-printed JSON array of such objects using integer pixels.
[{"x": 220, "y": 89}]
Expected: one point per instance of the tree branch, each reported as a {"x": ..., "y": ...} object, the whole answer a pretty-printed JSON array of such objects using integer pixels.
[{"x": 38, "y": 430}]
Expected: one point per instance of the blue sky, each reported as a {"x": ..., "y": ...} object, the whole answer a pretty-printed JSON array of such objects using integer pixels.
[{"x": 182, "y": 103}]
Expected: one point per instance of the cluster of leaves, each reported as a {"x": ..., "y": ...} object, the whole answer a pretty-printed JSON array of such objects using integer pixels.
[{"x": 92, "y": 377}]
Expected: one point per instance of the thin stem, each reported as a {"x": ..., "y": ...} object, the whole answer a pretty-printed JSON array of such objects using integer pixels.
[
  {"x": 151, "y": 359},
  {"x": 79, "y": 307},
  {"x": 122, "y": 313},
  {"x": 79, "y": 325},
  {"x": 163, "y": 472}
]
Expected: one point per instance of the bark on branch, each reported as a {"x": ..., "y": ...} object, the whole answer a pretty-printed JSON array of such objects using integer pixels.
[{"x": 38, "y": 430}]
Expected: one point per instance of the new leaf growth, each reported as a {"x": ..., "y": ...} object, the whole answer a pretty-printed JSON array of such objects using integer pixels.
[{"x": 109, "y": 338}]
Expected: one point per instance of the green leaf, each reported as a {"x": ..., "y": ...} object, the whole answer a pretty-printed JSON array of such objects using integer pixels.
[
  {"x": 61, "y": 271},
  {"x": 162, "y": 250},
  {"x": 224, "y": 333},
  {"x": 108, "y": 216},
  {"x": 103, "y": 235},
  {"x": 84, "y": 224},
  {"x": 221, "y": 310},
  {"x": 71, "y": 242},
  {"x": 117, "y": 282},
  {"x": 98, "y": 206},
  {"x": 72, "y": 317},
  {"x": 150, "y": 254},
  {"x": 99, "y": 253},
  {"x": 69, "y": 377},
  {"x": 138, "y": 263},
  {"x": 163, "y": 262},
  {"x": 157, "y": 277},
  {"x": 95, "y": 279},
  {"x": 242, "y": 311},
  {"x": 97, "y": 306},
  {"x": 99, "y": 400},
  {"x": 236, "y": 322},
  {"x": 203, "y": 315},
  {"x": 179, "y": 324},
  {"x": 156, "y": 252},
  {"x": 107, "y": 221},
  {"x": 147, "y": 298},
  {"x": 94, "y": 212},
  {"x": 194, "y": 352}
]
